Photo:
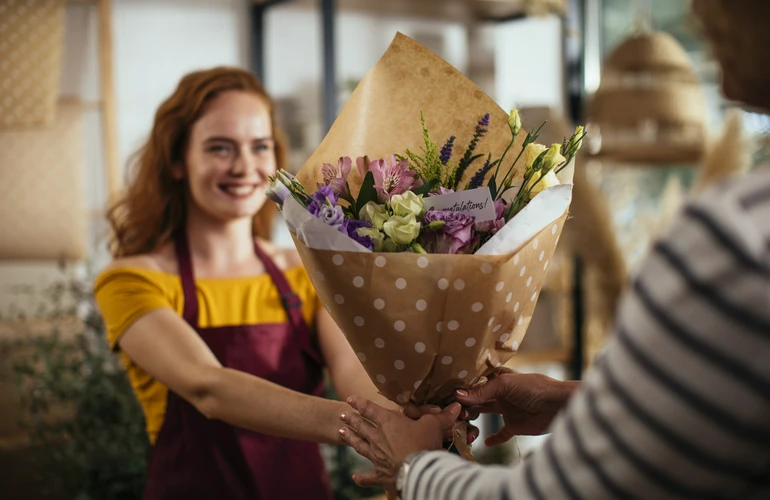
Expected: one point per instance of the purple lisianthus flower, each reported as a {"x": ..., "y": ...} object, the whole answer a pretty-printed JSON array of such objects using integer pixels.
[
  {"x": 452, "y": 237},
  {"x": 337, "y": 177},
  {"x": 351, "y": 227},
  {"x": 441, "y": 190},
  {"x": 332, "y": 215},
  {"x": 392, "y": 177},
  {"x": 323, "y": 197},
  {"x": 493, "y": 226},
  {"x": 277, "y": 192}
]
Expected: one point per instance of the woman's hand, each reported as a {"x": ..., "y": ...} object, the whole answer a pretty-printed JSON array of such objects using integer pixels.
[
  {"x": 415, "y": 412},
  {"x": 387, "y": 437},
  {"x": 528, "y": 403}
]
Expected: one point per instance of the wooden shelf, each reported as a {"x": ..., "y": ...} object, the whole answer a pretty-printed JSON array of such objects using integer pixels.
[
  {"x": 461, "y": 11},
  {"x": 540, "y": 356}
]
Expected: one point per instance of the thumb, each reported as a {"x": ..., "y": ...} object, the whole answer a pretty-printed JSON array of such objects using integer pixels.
[
  {"x": 479, "y": 395},
  {"x": 500, "y": 436},
  {"x": 449, "y": 415}
]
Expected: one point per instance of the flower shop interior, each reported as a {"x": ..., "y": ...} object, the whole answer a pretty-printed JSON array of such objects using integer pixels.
[{"x": 80, "y": 81}]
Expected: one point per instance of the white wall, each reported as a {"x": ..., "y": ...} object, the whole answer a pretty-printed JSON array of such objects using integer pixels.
[
  {"x": 155, "y": 42},
  {"x": 528, "y": 64},
  {"x": 294, "y": 45}
]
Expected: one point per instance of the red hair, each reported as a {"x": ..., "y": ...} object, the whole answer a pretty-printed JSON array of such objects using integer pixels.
[{"x": 152, "y": 209}]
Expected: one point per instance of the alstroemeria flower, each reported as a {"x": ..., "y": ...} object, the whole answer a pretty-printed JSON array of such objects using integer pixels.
[
  {"x": 453, "y": 233},
  {"x": 391, "y": 177},
  {"x": 337, "y": 177}
]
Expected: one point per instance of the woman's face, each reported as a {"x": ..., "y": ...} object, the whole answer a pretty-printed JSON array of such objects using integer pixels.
[{"x": 230, "y": 154}]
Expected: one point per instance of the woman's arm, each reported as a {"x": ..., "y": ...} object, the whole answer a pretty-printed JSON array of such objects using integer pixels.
[
  {"x": 348, "y": 375},
  {"x": 169, "y": 350}
]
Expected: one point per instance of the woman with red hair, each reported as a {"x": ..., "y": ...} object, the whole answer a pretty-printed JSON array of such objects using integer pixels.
[{"x": 221, "y": 333}]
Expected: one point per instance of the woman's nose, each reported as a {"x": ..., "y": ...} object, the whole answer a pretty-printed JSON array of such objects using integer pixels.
[{"x": 244, "y": 164}]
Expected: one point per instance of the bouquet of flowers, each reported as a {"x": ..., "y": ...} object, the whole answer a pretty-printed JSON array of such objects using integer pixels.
[
  {"x": 429, "y": 259},
  {"x": 409, "y": 202}
]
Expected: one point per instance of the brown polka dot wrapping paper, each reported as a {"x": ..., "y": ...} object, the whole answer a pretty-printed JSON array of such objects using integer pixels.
[{"x": 425, "y": 324}]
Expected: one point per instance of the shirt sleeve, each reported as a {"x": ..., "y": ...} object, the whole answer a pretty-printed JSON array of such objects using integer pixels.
[
  {"x": 677, "y": 406},
  {"x": 123, "y": 296}
]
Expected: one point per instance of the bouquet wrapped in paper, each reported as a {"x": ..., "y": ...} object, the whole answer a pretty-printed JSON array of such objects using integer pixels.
[{"x": 430, "y": 259}]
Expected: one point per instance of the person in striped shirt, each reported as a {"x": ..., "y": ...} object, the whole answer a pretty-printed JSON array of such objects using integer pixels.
[{"x": 678, "y": 405}]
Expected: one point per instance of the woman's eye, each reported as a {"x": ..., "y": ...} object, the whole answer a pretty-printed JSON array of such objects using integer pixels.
[
  {"x": 219, "y": 149},
  {"x": 261, "y": 148}
]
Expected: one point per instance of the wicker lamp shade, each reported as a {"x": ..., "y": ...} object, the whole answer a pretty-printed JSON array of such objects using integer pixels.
[{"x": 649, "y": 107}]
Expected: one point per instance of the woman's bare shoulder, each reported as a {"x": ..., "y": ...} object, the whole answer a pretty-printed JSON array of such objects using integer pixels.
[{"x": 162, "y": 260}]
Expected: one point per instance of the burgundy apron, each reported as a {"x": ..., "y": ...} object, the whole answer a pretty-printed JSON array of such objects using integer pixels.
[{"x": 198, "y": 458}]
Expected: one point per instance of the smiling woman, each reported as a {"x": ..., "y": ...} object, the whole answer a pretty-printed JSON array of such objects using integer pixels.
[
  {"x": 153, "y": 206},
  {"x": 222, "y": 336}
]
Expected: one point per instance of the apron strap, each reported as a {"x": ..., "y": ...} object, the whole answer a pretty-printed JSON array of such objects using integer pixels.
[
  {"x": 292, "y": 304},
  {"x": 187, "y": 276}
]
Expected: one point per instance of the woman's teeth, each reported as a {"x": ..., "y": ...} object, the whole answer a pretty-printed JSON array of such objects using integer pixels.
[{"x": 239, "y": 190}]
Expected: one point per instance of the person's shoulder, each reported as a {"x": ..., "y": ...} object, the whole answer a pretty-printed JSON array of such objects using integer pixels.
[
  {"x": 285, "y": 258},
  {"x": 153, "y": 268},
  {"x": 162, "y": 260}
]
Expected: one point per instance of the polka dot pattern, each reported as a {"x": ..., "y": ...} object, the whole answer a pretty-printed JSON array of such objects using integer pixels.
[{"x": 420, "y": 321}]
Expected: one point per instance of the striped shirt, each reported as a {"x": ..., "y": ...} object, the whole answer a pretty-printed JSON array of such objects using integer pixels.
[{"x": 678, "y": 405}]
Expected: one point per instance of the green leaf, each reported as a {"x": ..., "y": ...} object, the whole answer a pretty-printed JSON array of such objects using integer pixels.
[
  {"x": 367, "y": 192},
  {"x": 426, "y": 188},
  {"x": 493, "y": 187}
]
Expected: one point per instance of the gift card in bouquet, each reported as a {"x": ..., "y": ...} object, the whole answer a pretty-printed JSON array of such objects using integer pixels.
[{"x": 429, "y": 255}]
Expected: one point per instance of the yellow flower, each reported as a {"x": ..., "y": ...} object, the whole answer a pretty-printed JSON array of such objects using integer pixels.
[
  {"x": 407, "y": 204},
  {"x": 576, "y": 141},
  {"x": 514, "y": 121},
  {"x": 553, "y": 157},
  {"x": 549, "y": 180},
  {"x": 374, "y": 213},
  {"x": 531, "y": 152},
  {"x": 402, "y": 230}
]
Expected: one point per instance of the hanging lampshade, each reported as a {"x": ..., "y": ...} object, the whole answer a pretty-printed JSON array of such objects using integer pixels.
[{"x": 649, "y": 107}]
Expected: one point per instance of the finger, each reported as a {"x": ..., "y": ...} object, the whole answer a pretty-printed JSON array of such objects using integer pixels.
[
  {"x": 473, "y": 433},
  {"x": 473, "y": 412},
  {"x": 448, "y": 416},
  {"x": 367, "y": 479},
  {"x": 415, "y": 412},
  {"x": 369, "y": 410},
  {"x": 359, "y": 425},
  {"x": 481, "y": 394},
  {"x": 500, "y": 437},
  {"x": 361, "y": 446}
]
